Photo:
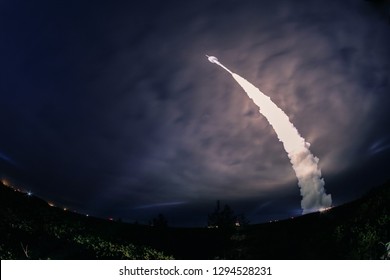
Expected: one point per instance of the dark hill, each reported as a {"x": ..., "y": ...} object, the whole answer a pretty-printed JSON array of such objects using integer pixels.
[
  {"x": 30, "y": 228},
  {"x": 356, "y": 230}
]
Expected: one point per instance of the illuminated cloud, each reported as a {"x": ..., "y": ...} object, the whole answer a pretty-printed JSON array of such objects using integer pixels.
[{"x": 110, "y": 104}]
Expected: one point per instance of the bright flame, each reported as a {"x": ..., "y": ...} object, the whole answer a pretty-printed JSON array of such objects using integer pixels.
[{"x": 324, "y": 209}]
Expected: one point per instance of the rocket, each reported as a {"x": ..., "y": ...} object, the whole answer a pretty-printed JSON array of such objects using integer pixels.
[{"x": 213, "y": 59}]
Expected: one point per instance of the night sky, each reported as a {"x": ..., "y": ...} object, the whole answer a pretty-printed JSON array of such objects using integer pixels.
[{"x": 111, "y": 108}]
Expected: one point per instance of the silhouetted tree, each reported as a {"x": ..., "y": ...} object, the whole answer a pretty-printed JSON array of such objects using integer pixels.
[
  {"x": 222, "y": 219},
  {"x": 231, "y": 232},
  {"x": 160, "y": 221},
  {"x": 213, "y": 218}
]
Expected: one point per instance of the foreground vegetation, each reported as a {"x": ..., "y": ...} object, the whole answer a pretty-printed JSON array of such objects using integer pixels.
[{"x": 31, "y": 229}]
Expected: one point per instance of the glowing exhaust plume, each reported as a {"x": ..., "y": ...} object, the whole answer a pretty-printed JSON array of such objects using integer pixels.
[{"x": 303, "y": 162}]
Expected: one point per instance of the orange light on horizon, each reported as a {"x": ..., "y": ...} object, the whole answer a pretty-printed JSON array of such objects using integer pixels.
[
  {"x": 322, "y": 210},
  {"x": 5, "y": 182}
]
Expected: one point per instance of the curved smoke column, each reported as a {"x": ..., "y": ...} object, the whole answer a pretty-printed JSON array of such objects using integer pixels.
[{"x": 303, "y": 162}]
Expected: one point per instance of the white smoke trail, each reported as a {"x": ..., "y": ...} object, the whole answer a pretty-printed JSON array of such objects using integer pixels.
[{"x": 303, "y": 162}]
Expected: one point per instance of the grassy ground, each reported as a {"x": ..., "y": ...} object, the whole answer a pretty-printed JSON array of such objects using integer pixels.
[{"x": 31, "y": 229}]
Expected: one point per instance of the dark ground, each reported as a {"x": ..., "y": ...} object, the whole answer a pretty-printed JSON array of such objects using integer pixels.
[{"x": 31, "y": 229}]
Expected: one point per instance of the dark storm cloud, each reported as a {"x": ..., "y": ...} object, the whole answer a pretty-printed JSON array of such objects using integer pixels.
[{"x": 114, "y": 106}]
